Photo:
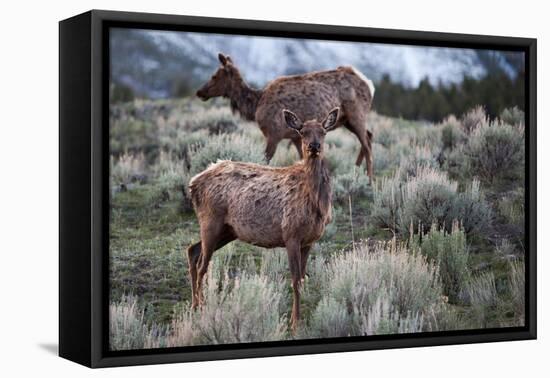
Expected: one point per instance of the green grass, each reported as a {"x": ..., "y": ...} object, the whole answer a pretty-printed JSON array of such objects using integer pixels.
[{"x": 156, "y": 146}]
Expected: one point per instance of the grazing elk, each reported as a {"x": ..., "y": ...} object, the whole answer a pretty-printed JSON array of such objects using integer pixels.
[
  {"x": 312, "y": 95},
  {"x": 265, "y": 206}
]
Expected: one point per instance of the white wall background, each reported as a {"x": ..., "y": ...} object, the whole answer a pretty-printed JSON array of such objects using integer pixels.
[{"x": 29, "y": 190}]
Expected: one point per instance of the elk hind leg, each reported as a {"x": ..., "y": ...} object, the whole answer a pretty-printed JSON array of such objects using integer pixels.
[
  {"x": 365, "y": 139},
  {"x": 213, "y": 237},
  {"x": 361, "y": 154}
]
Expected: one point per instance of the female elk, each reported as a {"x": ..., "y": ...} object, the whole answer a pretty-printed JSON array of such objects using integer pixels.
[
  {"x": 265, "y": 206},
  {"x": 312, "y": 95}
]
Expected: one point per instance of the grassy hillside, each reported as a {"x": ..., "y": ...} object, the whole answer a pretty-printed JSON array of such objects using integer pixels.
[{"x": 436, "y": 243}]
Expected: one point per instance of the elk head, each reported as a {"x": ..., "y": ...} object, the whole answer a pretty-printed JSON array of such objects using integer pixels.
[
  {"x": 311, "y": 132},
  {"x": 221, "y": 82}
]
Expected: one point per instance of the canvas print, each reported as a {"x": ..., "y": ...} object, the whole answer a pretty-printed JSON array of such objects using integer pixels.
[{"x": 273, "y": 189}]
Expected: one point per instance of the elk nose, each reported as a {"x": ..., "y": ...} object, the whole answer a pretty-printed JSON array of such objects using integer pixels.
[
  {"x": 314, "y": 146},
  {"x": 201, "y": 94}
]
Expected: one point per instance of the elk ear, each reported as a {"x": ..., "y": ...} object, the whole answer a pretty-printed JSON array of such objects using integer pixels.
[
  {"x": 292, "y": 121},
  {"x": 223, "y": 59},
  {"x": 331, "y": 119}
]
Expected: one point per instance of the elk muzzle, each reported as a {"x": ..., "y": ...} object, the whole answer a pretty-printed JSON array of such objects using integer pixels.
[
  {"x": 314, "y": 148},
  {"x": 201, "y": 93}
]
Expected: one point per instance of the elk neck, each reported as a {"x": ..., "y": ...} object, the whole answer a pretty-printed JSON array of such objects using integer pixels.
[
  {"x": 318, "y": 181},
  {"x": 244, "y": 99}
]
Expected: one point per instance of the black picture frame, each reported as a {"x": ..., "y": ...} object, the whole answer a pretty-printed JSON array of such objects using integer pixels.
[{"x": 84, "y": 192}]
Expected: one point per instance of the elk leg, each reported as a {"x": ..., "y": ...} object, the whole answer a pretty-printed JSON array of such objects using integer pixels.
[
  {"x": 360, "y": 157},
  {"x": 370, "y": 161},
  {"x": 193, "y": 254},
  {"x": 361, "y": 154},
  {"x": 270, "y": 149},
  {"x": 361, "y": 151},
  {"x": 294, "y": 257},
  {"x": 213, "y": 237},
  {"x": 366, "y": 145},
  {"x": 303, "y": 261}
]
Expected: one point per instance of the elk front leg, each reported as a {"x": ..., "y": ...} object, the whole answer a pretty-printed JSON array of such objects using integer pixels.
[
  {"x": 294, "y": 261},
  {"x": 270, "y": 148},
  {"x": 193, "y": 254}
]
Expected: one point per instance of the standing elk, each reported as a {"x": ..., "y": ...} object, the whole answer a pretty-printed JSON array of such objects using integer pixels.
[
  {"x": 312, "y": 95},
  {"x": 265, "y": 206}
]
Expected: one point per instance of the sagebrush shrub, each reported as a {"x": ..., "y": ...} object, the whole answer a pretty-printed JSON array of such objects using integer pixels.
[
  {"x": 179, "y": 141},
  {"x": 182, "y": 331},
  {"x": 427, "y": 198},
  {"x": 512, "y": 207},
  {"x": 358, "y": 280},
  {"x": 452, "y": 133},
  {"x": 338, "y": 143},
  {"x": 427, "y": 135},
  {"x": 224, "y": 147},
  {"x": 387, "y": 204},
  {"x": 474, "y": 119},
  {"x": 330, "y": 319},
  {"x": 419, "y": 157},
  {"x": 215, "y": 120},
  {"x": 443, "y": 317},
  {"x": 513, "y": 116},
  {"x": 483, "y": 297},
  {"x": 383, "y": 158},
  {"x": 495, "y": 151},
  {"x": 385, "y": 133},
  {"x": 171, "y": 181},
  {"x": 131, "y": 134},
  {"x": 350, "y": 184},
  {"x": 127, "y": 168},
  {"x": 450, "y": 252},
  {"x": 245, "y": 309},
  {"x": 382, "y": 319},
  {"x": 517, "y": 290},
  {"x": 127, "y": 328},
  {"x": 473, "y": 211}
]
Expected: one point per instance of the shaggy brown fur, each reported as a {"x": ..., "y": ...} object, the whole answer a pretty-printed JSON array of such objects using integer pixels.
[
  {"x": 265, "y": 206},
  {"x": 312, "y": 95}
]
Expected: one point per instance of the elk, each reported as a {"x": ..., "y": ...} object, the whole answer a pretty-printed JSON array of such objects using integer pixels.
[
  {"x": 265, "y": 206},
  {"x": 311, "y": 95}
]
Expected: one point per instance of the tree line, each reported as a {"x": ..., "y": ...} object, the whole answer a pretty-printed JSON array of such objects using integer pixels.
[{"x": 494, "y": 92}]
